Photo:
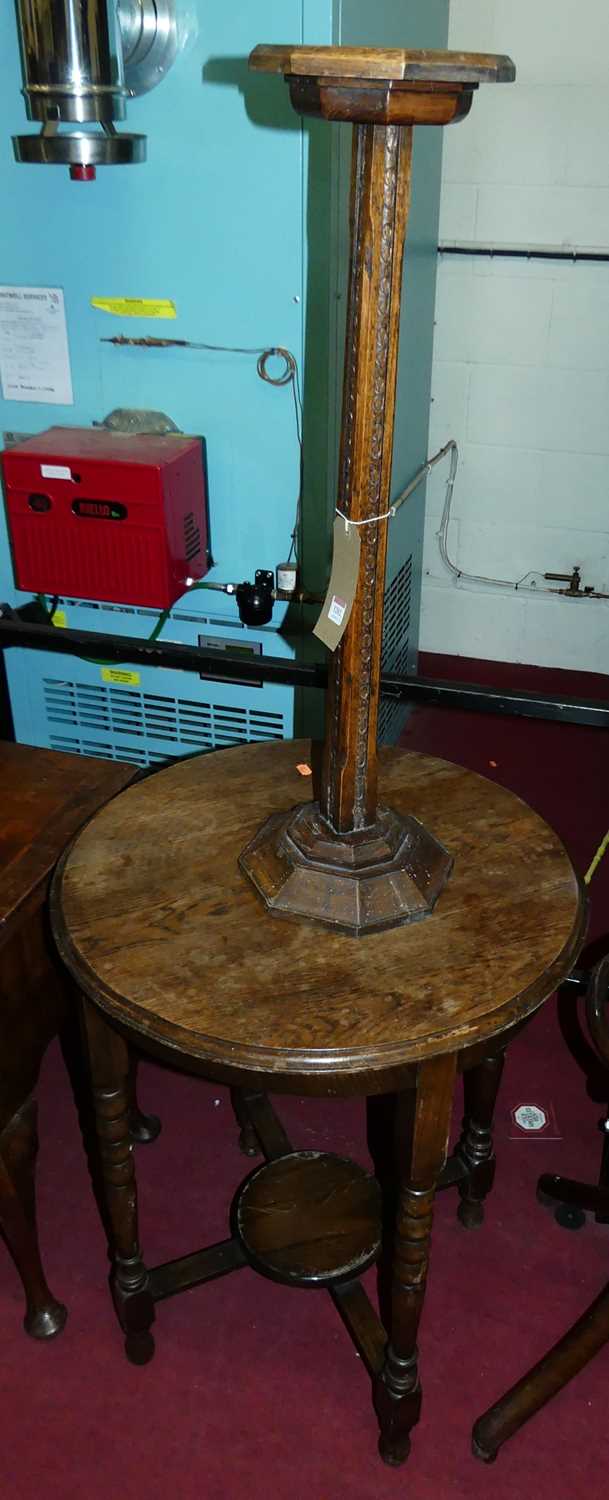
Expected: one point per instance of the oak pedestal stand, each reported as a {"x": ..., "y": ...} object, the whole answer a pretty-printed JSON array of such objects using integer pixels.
[{"x": 348, "y": 859}]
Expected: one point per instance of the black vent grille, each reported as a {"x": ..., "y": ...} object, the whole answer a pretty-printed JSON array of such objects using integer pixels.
[
  {"x": 394, "y": 658},
  {"x": 192, "y": 537}
]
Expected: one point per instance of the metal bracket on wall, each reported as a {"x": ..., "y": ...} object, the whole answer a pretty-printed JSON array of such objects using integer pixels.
[{"x": 149, "y": 36}]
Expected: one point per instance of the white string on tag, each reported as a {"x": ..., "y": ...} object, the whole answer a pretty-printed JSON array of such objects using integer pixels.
[{"x": 369, "y": 521}]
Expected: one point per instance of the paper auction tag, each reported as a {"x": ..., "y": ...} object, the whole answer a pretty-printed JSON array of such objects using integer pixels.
[{"x": 338, "y": 603}]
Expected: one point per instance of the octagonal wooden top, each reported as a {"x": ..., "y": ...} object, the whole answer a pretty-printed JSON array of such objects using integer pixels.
[
  {"x": 160, "y": 928},
  {"x": 399, "y": 63}
]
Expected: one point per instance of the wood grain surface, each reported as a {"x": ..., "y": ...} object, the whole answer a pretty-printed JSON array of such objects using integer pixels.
[
  {"x": 384, "y": 62},
  {"x": 159, "y": 926},
  {"x": 310, "y": 1218},
  {"x": 46, "y": 795}
]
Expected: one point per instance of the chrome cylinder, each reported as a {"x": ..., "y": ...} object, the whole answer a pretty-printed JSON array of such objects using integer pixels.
[{"x": 72, "y": 60}]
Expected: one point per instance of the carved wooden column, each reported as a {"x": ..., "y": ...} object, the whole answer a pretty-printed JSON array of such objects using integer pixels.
[
  {"x": 381, "y": 169},
  {"x": 348, "y": 860}
]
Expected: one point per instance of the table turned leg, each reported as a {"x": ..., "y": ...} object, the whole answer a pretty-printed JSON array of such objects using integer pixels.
[
  {"x": 248, "y": 1140},
  {"x": 423, "y": 1124},
  {"x": 109, "y": 1065},
  {"x": 44, "y": 1316},
  {"x": 474, "y": 1151},
  {"x": 143, "y": 1129}
]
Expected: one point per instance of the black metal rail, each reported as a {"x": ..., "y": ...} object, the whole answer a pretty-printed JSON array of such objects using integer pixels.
[
  {"x": 212, "y": 663},
  {"x": 503, "y": 252}
]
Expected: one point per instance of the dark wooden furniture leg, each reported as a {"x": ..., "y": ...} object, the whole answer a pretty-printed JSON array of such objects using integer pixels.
[
  {"x": 248, "y": 1140},
  {"x": 571, "y": 1199},
  {"x": 601, "y": 1212},
  {"x": 584, "y": 1339},
  {"x": 142, "y": 1128},
  {"x": 44, "y": 1316},
  {"x": 423, "y": 1124},
  {"x": 47, "y": 797},
  {"x": 109, "y": 1064},
  {"x": 474, "y": 1151},
  {"x": 577, "y": 1347}
]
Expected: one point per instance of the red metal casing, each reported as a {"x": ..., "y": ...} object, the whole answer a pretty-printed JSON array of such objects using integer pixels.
[{"x": 95, "y": 514}]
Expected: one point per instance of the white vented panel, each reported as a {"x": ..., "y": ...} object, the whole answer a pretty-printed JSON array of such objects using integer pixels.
[
  {"x": 396, "y": 637},
  {"x": 122, "y": 723}
]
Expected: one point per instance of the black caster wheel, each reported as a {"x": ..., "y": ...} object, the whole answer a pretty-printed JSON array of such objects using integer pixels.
[{"x": 569, "y": 1217}]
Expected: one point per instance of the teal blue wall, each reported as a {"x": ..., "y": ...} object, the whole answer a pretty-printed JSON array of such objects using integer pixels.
[
  {"x": 212, "y": 220},
  {"x": 216, "y": 220},
  {"x": 239, "y": 216}
]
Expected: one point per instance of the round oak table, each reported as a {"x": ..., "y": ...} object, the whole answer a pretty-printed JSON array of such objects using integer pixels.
[{"x": 172, "y": 948}]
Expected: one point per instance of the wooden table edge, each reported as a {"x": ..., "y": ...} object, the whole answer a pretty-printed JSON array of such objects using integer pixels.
[
  {"x": 235, "y": 1060},
  {"x": 397, "y": 64}
]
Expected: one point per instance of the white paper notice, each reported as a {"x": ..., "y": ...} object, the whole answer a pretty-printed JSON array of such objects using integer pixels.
[{"x": 34, "y": 354}]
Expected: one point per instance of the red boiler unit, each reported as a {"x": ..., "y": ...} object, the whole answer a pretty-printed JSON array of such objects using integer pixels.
[{"x": 95, "y": 514}]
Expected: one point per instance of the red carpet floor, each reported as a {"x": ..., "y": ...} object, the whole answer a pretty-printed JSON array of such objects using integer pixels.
[{"x": 255, "y": 1389}]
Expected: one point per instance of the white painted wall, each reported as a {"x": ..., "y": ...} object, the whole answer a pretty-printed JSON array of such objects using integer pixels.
[{"x": 521, "y": 355}]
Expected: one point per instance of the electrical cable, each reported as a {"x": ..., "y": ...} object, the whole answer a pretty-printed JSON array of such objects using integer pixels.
[
  {"x": 288, "y": 376},
  {"x": 49, "y": 611},
  {"x": 93, "y": 660},
  {"x": 442, "y": 535},
  {"x": 224, "y": 588}
]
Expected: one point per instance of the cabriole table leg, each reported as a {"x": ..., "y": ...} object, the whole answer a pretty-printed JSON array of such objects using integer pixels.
[{"x": 45, "y": 1316}]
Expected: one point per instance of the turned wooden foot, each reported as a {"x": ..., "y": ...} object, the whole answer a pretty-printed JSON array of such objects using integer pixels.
[
  {"x": 143, "y": 1129},
  {"x": 474, "y": 1156},
  {"x": 110, "y": 1077},
  {"x": 248, "y": 1140},
  {"x": 422, "y": 1129},
  {"x": 45, "y": 1316}
]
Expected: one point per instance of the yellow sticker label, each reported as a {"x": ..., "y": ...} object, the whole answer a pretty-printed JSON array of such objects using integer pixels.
[
  {"x": 60, "y": 618},
  {"x": 136, "y": 307},
  {"x": 116, "y": 674}
]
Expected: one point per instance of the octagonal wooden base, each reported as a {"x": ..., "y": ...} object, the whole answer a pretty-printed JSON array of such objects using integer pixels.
[
  {"x": 309, "y": 1219},
  {"x": 386, "y": 875}
]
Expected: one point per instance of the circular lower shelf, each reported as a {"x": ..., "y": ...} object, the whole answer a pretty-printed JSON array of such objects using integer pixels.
[{"x": 309, "y": 1219}]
